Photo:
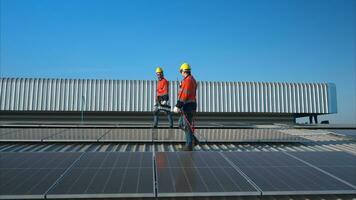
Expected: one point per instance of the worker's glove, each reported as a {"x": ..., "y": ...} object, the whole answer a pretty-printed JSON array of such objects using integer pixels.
[
  {"x": 163, "y": 102},
  {"x": 176, "y": 109}
]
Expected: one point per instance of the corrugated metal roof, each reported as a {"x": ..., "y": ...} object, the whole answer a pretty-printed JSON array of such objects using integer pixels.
[{"x": 25, "y": 94}]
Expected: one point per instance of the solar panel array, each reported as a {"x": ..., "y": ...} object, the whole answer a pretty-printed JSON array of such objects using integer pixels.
[
  {"x": 172, "y": 174},
  {"x": 142, "y": 135}
]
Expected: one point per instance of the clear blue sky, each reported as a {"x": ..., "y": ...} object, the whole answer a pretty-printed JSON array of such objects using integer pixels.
[{"x": 234, "y": 40}]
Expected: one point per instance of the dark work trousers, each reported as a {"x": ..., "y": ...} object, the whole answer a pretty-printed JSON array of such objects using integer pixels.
[
  {"x": 182, "y": 124},
  {"x": 315, "y": 119},
  {"x": 156, "y": 113}
]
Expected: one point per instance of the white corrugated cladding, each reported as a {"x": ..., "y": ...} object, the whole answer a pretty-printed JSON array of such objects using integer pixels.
[{"x": 32, "y": 94}]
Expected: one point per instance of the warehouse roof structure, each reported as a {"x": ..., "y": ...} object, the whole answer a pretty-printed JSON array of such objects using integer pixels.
[{"x": 237, "y": 101}]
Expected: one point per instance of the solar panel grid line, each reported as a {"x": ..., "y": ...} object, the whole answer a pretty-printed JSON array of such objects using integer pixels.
[
  {"x": 71, "y": 186},
  {"x": 96, "y": 173},
  {"x": 286, "y": 174},
  {"x": 62, "y": 175},
  {"x": 322, "y": 166},
  {"x": 45, "y": 138},
  {"x": 26, "y": 168},
  {"x": 109, "y": 130},
  {"x": 73, "y": 135},
  {"x": 111, "y": 171},
  {"x": 242, "y": 173},
  {"x": 7, "y": 131},
  {"x": 217, "y": 177},
  {"x": 186, "y": 177},
  {"x": 321, "y": 170},
  {"x": 191, "y": 175},
  {"x": 315, "y": 183},
  {"x": 171, "y": 176},
  {"x": 108, "y": 175}
]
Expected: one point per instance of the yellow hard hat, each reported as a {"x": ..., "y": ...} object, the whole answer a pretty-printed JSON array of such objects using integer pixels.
[
  {"x": 159, "y": 70},
  {"x": 184, "y": 67}
]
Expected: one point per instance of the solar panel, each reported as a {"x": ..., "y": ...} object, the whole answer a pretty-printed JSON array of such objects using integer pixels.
[
  {"x": 30, "y": 175},
  {"x": 246, "y": 135},
  {"x": 30, "y": 134},
  {"x": 168, "y": 135},
  {"x": 126, "y": 134},
  {"x": 227, "y": 135},
  {"x": 277, "y": 173},
  {"x": 4, "y": 131},
  {"x": 198, "y": 174},
  {"x": 70, "y": 135},
  {"x": 108, "y": 174},
  {"x": 339, "y": 164},
  {"x": 145, "y": 135},
  {"x": 345, "y": 132}
]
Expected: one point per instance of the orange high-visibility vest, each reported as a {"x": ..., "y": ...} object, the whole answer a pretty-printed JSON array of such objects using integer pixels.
[
  {"x": 162, "y": 87},
  {"x": 187, "y": 92}
]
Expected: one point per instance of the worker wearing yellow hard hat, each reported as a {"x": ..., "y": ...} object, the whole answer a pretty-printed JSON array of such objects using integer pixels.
[
  {"x": 162, "y": 98},
  {"x": 159, "y": 70},
  {"x": 184, "y": 67},
  {"x": 187, "y": 106}
]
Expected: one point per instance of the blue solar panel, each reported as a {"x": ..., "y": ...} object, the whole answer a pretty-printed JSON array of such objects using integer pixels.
[
  {"x": 277, "y": 173},
  {"x": 30, "y": 175},
  {"x": 108, "y": 175},
  {"x": 198, "y": 174},
  {"x": 340, "y": 164}
]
